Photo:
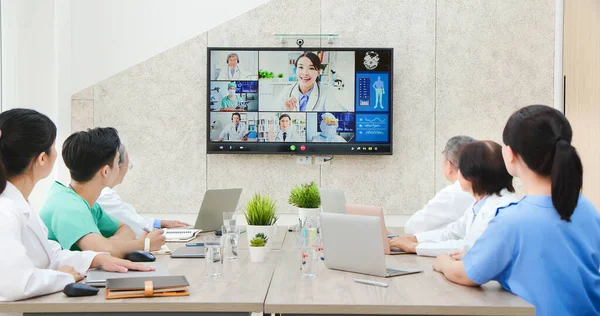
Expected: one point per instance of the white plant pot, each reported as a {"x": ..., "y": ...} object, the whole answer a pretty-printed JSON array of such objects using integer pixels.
[
  {"x": 269, "y": 232},
  {"x": 303, "y": 213},
  {"x": 257, "y": 254}
]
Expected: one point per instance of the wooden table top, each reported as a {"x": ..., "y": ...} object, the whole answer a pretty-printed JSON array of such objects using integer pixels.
[{"x": 425, "y": 293}]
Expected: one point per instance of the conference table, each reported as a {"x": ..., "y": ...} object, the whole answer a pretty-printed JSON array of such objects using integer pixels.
[{"x": 276, "y": 287}]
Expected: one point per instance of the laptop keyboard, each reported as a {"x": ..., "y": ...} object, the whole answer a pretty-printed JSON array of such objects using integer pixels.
[{"x": 391, "y": 271}]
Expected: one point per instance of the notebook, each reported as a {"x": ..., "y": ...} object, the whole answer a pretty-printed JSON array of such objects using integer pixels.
[
  {"x": 98, "y": 277},
  {"x": 176, "y": 285},
  {"x": 181, "y": 234}
]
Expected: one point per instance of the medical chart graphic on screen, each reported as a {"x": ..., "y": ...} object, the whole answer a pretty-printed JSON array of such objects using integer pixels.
[{"x": 300, "y": 101}]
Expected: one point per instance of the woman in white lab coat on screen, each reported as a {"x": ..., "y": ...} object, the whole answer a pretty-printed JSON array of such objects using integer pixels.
[
  {"x": 32, "y": 265},
  {"x": 482, "y": 174},
  {"x": 308, "y": 94}
]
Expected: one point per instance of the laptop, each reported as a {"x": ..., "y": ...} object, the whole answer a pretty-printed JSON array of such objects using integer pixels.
[
  {"x": 210, "y": 216},
  {"x": 332, "y": 201},
  {"x": 370, "y": 210},
  {"x": 97, "y": 277},
  {"x": 353, "y": 243},
  {"x": 188, "y": 252}
]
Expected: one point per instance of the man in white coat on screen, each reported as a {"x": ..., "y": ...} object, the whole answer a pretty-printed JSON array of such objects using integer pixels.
[
  {"x": 235, "y": 131},
  {"x": 232, "y": 71},
  {"x": 448, "y": 204},
  {"x": 286, "y": 132}
]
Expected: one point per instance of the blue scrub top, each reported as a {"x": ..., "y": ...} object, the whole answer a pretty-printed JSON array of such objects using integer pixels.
[{"x": 534, "y": 254}]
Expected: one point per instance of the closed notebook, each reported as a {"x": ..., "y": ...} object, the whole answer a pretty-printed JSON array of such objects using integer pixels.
[
  {"x": 176, "y": 285},
  {"x": 181, "y": 234}
]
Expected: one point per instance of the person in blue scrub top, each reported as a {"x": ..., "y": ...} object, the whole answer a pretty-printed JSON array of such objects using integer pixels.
[{"x": 546, "y": 247}]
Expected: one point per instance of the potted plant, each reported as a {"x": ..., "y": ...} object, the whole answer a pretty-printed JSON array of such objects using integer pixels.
[
  {"x": 257, "y": 248},
  {"x": 260, "y": 216},
  {"x": 307, "y": 199}
]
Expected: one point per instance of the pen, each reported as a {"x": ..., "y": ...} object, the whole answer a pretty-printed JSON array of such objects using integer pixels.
[
  {"x": 198, "y": 244},
  {"x": 146, "y": 229},
  {"x": 371, "y": 282},
  {"x": 392, "y": 236}
]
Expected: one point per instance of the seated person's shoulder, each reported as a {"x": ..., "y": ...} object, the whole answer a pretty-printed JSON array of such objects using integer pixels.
[
  {"x": 513, "y": 212},
  {"x": 64, "y": 204},
  {"x": 8, "y": 207},
  {"x": 587, "y": 208}
]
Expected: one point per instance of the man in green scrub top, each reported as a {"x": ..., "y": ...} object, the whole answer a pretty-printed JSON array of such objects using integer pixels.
[
  {"x": 71, "y": 213},
  {"x": 232, "y": 100}
]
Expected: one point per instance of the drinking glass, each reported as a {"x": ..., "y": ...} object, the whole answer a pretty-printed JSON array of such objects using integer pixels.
[{"x": 214, "y": 256}]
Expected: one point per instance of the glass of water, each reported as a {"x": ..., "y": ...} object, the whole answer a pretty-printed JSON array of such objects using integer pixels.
[
  {"x": 230, "y": 238},
  {"x": 309, "y": 259},
  {"x": 229, "y": 219},
  {"x": 214, "y": 256}
]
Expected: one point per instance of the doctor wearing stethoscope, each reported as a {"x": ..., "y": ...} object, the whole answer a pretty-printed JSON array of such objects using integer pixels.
[
  {"x": 308, "y": 94},
  {"x": 232, "y": 72},
  {"x": 32, "y": 264}
]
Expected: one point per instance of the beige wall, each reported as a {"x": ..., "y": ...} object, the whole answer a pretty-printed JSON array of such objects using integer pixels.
[{"x": 461, "y": 67}]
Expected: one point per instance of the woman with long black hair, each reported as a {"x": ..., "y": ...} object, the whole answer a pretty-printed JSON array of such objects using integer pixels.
[{"x": 546, "y": 247}]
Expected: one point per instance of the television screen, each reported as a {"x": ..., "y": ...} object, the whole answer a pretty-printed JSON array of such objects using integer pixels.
[{"x": 300, "y": 101}]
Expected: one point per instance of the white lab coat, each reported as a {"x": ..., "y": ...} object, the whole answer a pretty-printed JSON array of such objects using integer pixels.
[
  {"x": 321, "y": 99},
  {"x": 226, "y": 74},
  {"x": 291, "y": 136},
  {"x": 112, "y": 204},
  {"x": 462, "y": 234},
  {"x": 445, "y": 207},
  {"x": 29, "y": 263},
  {"x": 229, "y": 132}
]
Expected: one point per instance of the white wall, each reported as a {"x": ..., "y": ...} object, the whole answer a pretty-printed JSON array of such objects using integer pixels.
[
  {"x": 108, "y": 36},
  {"x": 29, "y": 64},
  {"x": 54, "y": 48}
]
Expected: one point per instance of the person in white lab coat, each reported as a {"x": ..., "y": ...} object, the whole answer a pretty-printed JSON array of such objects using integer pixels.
[
  {"x": 483, "y": 174},
  {"x": 235, "y": 131},
  {"x": 308, "y": 94},
  {"x": 232, "y": 71},
  {"x": 286, "y": 134},
  {"x": 112, "y": 204},
  {"x": 32, "y": 265},
  {"x": 448, "y": 204}
]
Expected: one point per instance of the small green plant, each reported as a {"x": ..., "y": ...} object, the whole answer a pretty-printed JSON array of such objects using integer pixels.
[
  {"x": 260, "y": 240},
  {"x": 280, "y": 76},
  {"x": 305, "y": 196},
  {"x": 265, "y": 74},
  {"x": 260, "y": 211}
]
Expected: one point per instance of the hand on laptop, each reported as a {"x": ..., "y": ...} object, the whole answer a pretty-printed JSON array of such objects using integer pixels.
[
  {"x": 70, "y": 270},
  {"x": 112, "y": 264},
  {"x": 407, "y": 243},
  {"x": 157, "y": 239},
  {"x": 172, "y": 224}
]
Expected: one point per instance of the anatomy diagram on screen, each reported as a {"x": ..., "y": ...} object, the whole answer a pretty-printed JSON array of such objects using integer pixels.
[{"x": 379, "y": 92}]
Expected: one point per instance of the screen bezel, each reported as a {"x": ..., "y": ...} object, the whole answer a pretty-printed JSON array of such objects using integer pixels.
[{"x": 277, "y": 148}]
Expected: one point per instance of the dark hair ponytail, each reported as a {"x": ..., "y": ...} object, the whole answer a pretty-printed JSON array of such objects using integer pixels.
[
  {"x": 567, "y": 179},
  {"x": 541, "y": 135},
  {"x": 24, "y": 134}
]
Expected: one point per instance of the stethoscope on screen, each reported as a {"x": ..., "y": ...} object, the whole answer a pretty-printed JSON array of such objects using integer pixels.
[{"x": 296, "y": 86}]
